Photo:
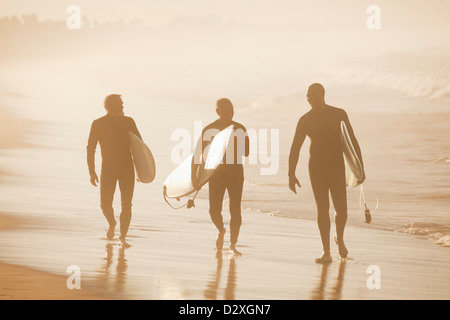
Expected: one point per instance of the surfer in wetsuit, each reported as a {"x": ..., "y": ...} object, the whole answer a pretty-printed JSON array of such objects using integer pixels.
[
  {"x": 111, "y": 131},
  {"x": 326, "y": 165},
  {"x": 228, "y": 176}
]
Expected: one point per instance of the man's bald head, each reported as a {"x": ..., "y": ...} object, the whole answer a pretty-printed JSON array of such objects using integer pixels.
[
  {"x": 224, "y": 109},
  {"x": 316, "y": 95}
]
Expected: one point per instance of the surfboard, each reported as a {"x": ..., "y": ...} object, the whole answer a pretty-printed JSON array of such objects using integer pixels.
[
  {"x": 144, "y": 163},
  {"x": 178, "y": 183},
  {"x": 353, "y": 168}
]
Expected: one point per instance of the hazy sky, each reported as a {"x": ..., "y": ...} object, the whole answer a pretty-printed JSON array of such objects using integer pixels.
[{"x": 327, "y": 13}]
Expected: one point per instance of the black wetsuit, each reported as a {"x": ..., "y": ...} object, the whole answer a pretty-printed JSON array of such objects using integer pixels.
[
  {"x": 229, "y": 176},
  {"x": 326, "y": 164},
  {"x": 117, "y": 165}
]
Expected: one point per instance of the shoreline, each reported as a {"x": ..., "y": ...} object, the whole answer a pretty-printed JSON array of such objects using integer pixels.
[
  {"x": 20, "y": 282},
  {"x": 412, "y": 229}
]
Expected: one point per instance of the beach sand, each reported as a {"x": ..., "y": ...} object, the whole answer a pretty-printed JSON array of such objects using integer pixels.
[
  {"x": 177, "y": 260},
  {"x": 22, "y": 283}
]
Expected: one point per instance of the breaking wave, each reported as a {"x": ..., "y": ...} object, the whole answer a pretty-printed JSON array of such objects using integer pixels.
[{"x": 437, "y": 233}]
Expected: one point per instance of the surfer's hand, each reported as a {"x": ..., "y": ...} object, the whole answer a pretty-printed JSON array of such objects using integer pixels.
[
  {"x": 194, "y": 181},
  {"x": 292, "y": 182},
  {"x": 94, "y": 179}
]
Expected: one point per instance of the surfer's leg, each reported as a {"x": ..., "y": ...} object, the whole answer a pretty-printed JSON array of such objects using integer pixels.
[
  {"x": 339, "y": 196},
  {"x": 235, "y": 188},
  {"x": 126, "y": 185},
  {"x": 107, "y": 188},
  {"x": 216, "y": 192},
  {"x": 320, "y": 187},
  {"x": 323, "y": 218}
]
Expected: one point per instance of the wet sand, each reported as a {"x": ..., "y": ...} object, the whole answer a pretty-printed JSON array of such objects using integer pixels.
[
  {"x": 22, "y": 283},
  {"x": 177, "y": 260}
]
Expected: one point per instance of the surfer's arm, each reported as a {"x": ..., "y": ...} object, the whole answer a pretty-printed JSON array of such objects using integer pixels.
[
  {"x": 242, "y": 144},
  {"x": 297, "y": 143},
  {"x": 196, "y": 161},
  {"x": 134, "y": 129},
  {"x": 91, "y": 146},
  {"x": 247, "y": 144},
  {"x": 353, "y": 138},
  {"x": 299, "y": 138}
]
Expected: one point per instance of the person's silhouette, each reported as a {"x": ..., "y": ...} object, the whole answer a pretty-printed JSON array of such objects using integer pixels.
[
  {"x": 326, "y": 164},
  {"x": 228, "y": 176},
  {"x": 111, "y": 132}
]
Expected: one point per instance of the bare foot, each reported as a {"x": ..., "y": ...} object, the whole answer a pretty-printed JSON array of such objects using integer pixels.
[
  {"x": 110, "y": 232},
  {"x": 234, "y": 251},
  {"x": 343, "y": 252},
  {"x": 325, "y": 258},
  {"x": 124, "y": 244},
  {"x": 219, "y": 241}
]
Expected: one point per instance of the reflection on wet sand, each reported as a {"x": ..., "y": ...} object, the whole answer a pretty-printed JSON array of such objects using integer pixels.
[
  {"x": 116, "y": 284},
  {"x": 121, "y": 270},
  {"x": 212, "y": 286},
  {"x": 335, "y": 292}
]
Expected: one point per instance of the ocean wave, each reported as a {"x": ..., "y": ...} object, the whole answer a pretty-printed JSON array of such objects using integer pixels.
[
  {"x": 275, "y": 213},
  {"x": 415, "y": 76},
  {"x": 430, "y": 159},
  {"x": 257, "y": 183},
  {"x": 439, "y": 234},
  {"x": 441, "y": 196}
]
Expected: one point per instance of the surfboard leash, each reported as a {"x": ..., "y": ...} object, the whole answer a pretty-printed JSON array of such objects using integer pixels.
[
  {"x": 189, "y": 204},
  {"x": 366, "y": 209}
]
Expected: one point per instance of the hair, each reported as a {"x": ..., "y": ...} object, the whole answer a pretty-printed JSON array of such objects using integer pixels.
[
  {"x": 223, "y": 102},
  {"x": 110, "y": 101},
  {"x": 317, "y": 88}
]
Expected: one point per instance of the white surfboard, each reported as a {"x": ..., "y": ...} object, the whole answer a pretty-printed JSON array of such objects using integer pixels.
[
  {"x": 144, "y": 163},
  {"x": 354, "y": 171},
  {"x": 178, "y": 184}
]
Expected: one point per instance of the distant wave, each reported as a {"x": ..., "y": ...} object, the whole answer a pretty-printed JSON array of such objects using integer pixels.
[
  {"x": 416, "y": 76},
  {"x": 439, "y": 234},
  {"x": 255, "y": 183},
  {"x": 14, "y": 94},
  {"x": 442, "y": 196},
  {"x": 275, "y": 213},
  {"x": 437, "y": 159}
]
